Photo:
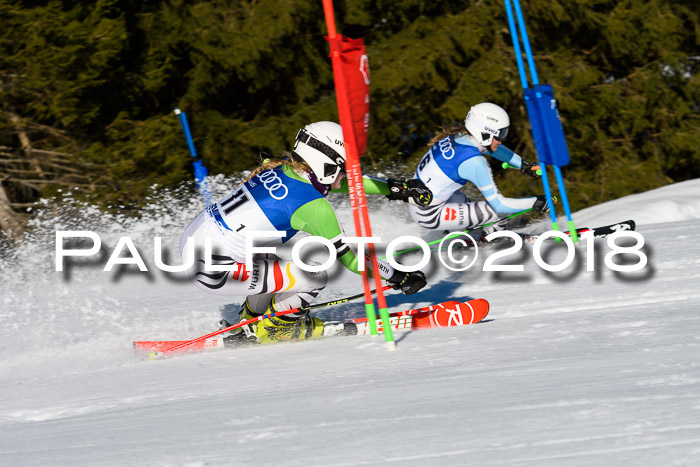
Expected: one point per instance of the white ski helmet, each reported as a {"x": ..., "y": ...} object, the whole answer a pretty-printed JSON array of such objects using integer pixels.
[
  {"x": 321, "y": 145},
  {"x": 487, "y": 121}
]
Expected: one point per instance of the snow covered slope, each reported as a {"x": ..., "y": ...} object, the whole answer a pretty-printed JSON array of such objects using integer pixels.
[
  {"x": 672, "y": 203},
  {"x": 571, "y": 368}
]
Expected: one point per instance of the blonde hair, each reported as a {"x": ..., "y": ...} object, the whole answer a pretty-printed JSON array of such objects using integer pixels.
[
  {"x": 449, "y": 130},
  {"x": 289, "y": 161}
]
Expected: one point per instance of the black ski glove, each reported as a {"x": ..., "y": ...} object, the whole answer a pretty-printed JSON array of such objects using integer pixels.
[
  {"x": 530, "y": 168},
  {"x": 413, "y": 191},
  {"x": 542, "y": 205},
  {"x": 408, "y": 282}
]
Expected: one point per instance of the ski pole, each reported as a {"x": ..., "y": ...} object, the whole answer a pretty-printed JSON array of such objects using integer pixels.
[
  {"x": 156, "y": 355},
  {"x": 506, "y": 165},
  {"x": 457, "y": 234}
]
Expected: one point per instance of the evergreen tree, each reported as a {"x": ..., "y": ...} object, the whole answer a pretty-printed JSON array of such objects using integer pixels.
[{"x": 100, "y": 80}]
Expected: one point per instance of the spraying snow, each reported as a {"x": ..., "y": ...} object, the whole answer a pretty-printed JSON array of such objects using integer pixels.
[{"x": 570, "y": 368}]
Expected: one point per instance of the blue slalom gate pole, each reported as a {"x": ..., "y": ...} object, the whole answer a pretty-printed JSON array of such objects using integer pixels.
[
  {"x": 200, "y": 171},
  {"x": 524, "y": 83},
  {"x": 547, "y": 131},
  {"x": 526, "y": 42}
]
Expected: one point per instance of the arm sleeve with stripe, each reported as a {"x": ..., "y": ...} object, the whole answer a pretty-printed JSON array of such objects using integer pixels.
[
  {"x": 477, "y": 170},
  {"x": 505, "y": 154},
  {"x": 318, "y": 218}
]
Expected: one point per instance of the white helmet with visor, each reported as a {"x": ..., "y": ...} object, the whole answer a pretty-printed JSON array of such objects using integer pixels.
[
  {"x": 486, "y": 122},
  {"x": 321, "y": 146}
]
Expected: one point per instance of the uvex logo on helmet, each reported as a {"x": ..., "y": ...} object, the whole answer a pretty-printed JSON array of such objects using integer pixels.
[
  {"x": 321, "y": 145},
  {"x": 486, "y": 122}
]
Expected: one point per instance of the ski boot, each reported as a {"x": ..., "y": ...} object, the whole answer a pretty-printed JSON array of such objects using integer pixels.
[
  {"x": 281, "y": 328},
  {"x": 245, "y": 334},
  {"x": 284, "y": 328}
]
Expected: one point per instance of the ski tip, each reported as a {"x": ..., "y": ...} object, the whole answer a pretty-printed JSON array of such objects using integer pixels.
[
  {"x": 488, "y": 308},
  {"x": 482, "y": 303},
  {"x": 483, "y": 306},
  {"x": 480, "y": 308}
]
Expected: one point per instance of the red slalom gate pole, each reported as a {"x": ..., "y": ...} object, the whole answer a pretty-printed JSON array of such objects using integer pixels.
[
  {"x": 350, "y": 167},
  {"x": 369, "y": 301},
  {"x": 355, "y": 186}
]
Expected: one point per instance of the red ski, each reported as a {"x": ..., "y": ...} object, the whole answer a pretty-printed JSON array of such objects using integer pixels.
[
  {"x": 443, "y": 315},
  {"x": 447, "y": 314}
]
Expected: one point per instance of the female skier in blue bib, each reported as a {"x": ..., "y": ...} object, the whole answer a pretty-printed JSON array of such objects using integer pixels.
[
  {"x": 283, "y": 197},
  {"x": 455, "y": 158}
]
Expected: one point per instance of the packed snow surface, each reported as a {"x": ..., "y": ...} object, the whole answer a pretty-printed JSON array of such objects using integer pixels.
[
  {"x": 672, "y": 203},
  {"x": 572, "y": 368}
]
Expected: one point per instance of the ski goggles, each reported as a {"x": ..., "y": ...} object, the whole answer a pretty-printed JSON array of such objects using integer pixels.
[
  {"x": 502, "y": 133},
  {"x": 329, "y": 169},
  {"x": 486, "y": 129},
  {"x": 332, "y": 169}
]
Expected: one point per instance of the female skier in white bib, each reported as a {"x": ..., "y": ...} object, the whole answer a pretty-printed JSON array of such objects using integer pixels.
[
  {"x": 455, "y": 158},
  {"x": 283, "y": 197}
]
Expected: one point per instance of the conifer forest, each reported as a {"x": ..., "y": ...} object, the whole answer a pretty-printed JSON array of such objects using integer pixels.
[{"x": 88, "y": 89}]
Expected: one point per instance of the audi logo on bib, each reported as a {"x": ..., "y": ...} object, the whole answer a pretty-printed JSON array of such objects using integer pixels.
[
  {"x": 448, "y": 152},
  {"x": 273, "y": 184}
]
